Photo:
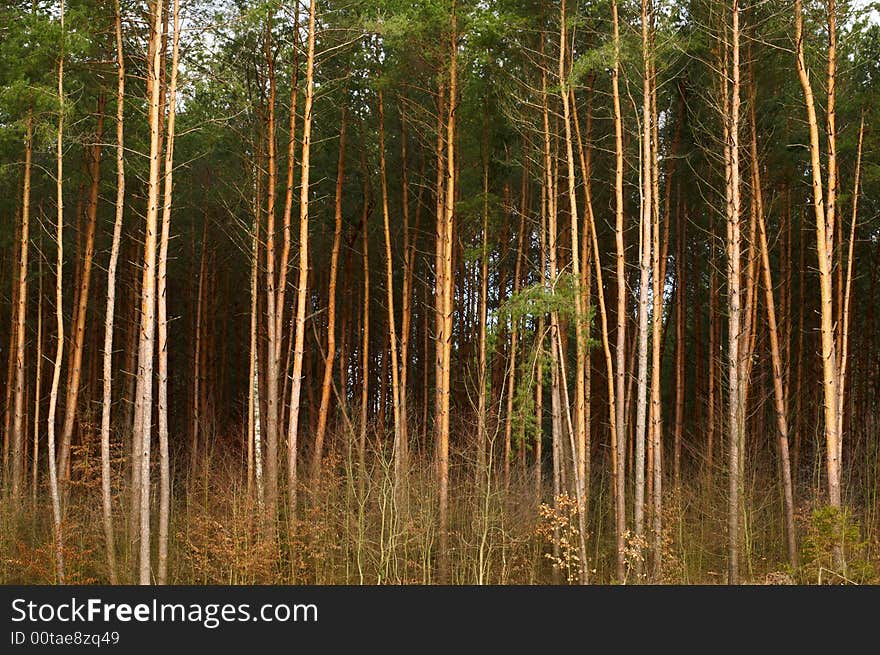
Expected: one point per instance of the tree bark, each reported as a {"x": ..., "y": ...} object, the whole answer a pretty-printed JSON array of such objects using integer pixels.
[
  {"x": 38, "y": 381},
  {"x": 619, "y": 436},
  {"x": 779, "y": 392},
  {"x": 79, "y": 328},
  {"x": 735, "y": 364},
  {"x": 164, "y": 461},
  {"x": 272, "y": 348},
  {"x": 847, "y": 293},
  {"x": 109, "y": 314},
  {"x": 483, "y": 473},
  {"x": 580, "y": 428},
  {"x": 445, "y": 307},
  {"x": 646, "y": 219},
  {"x": 18, "y": 429},
  {"x": 365, "y": 338},
  {"x": 148, "y": 293},
  {"x": 399, "y": 447},
  {"x": 331, "y": 306},
  {"x": 824, "y": 217},
  {"x": 59, "y": 315},
  {"x": 302, "y": 288}
]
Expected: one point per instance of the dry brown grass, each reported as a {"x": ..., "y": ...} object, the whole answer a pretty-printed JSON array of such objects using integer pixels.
[{"x": 353, "y": 528}]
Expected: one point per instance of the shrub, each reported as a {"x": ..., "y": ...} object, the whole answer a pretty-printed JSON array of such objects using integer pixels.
[{"x": 834, "y": 551}]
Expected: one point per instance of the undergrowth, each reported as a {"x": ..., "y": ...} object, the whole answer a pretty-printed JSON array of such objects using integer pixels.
[{"x": 352, "y": 526}]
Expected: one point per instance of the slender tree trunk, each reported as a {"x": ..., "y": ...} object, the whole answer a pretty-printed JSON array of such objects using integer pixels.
[
  {"x": 580, "y": 437},
  {"x": 735, "y": 335},
  {"x": 79, "y": 328},
  {"x": 446, "y": 306},
  {"x": 300, "y": 334},
  {"x": 271, "y": 298},
  {"x": 288, "y": 210},
  {"x": 331, "y": 306},
  {"x": 775, "y": 350},
  {"x": 18, "y": 428},
  {"x": 107, "y": 389},
  {"x": 799, "y": 368},
  {"x": 399, "y": 447},
  {"x": 550, "y": 278},
  {"x": 540, "y": 336},
  {"x": 409, "y": 253},
  {"x": 539, "y": 412},
  {"x": 384, "y": 356},
  {"x": 439, "y": 250},
  {"x": 645, "y": 242},
  {"x": 680, "y": 295},
  {"x": 10, "y": 366},
  {"x": 824, "y": 250},
  {"x": 514, "y": 327},
  {"x": 845, "y": 314},
  {"x": 148, "y": 293},
  {"x": 59, "y": 315},
  {"x": 619, "y": 445},
  {"x": 582, "y": 522},
  {"x": 198, "y": 352},
  {"x": 585, "y": 156},
  {"x": 713, "y": 348},
  {"x": 38, "y": 381},
  {"x": 483, "y": 474},
  {"x": 255, "y": 459},
  {"x": 659, "y": 281},
  {"x": 365, "y": 339},
  {"x": 164, "y": 462},
  {"x": 132, "y": 417}
]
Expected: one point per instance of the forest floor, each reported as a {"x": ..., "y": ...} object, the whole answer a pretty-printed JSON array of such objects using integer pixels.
[{"x": 352, "y": 528}]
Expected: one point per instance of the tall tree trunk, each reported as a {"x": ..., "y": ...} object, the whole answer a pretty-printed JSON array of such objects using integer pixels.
[
  {"x": 198, "y": 351},
  {"x": 255, "y": 459},
  {"x": 619, "y": 436},
  {"x": 148, "y": 292},
  {"x": 107, "y": 368},
  {"x": 288, "y": 210},
  {"x": 483, "y": 473},
  {"x": 735, "y": 364},
  {"x": 18, "y": 429},
  {"x": 272, "y": 337},
  {"x": 713, "y": 348},
  {"x": 409, "y": 253},
  {"x": 79, "y": 328},
  {"x": 59, "y": 315},
  {"x": 38, "y": 381},
  {"x": 439, "y": 250},
  {"x": 680, "y": 296},
  {"x": 331, "y": 306},
  {"x": 300, "y": 334},
  {"x": 660, "y": 245},
  {"x": 645, "y": 241},
  {"x": 446, "y": 306},
  {"x": 847, "y": 292},
  {"x": 588, "y": 250},
  {"x": 824, "y": 217},
  {"x": 10, "y": 367},
  {"x": 164, "y": 462},
  {"x": 399, "y": 447},
  {"x": 363, "y": 354},
  {"x": 365, "y": 339},
  {"x": 580, "y": 429},
  {"x": 779, "y": 392},
  {"x": 549, "y": 269},
  {"x": 514, "y": 327}
]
